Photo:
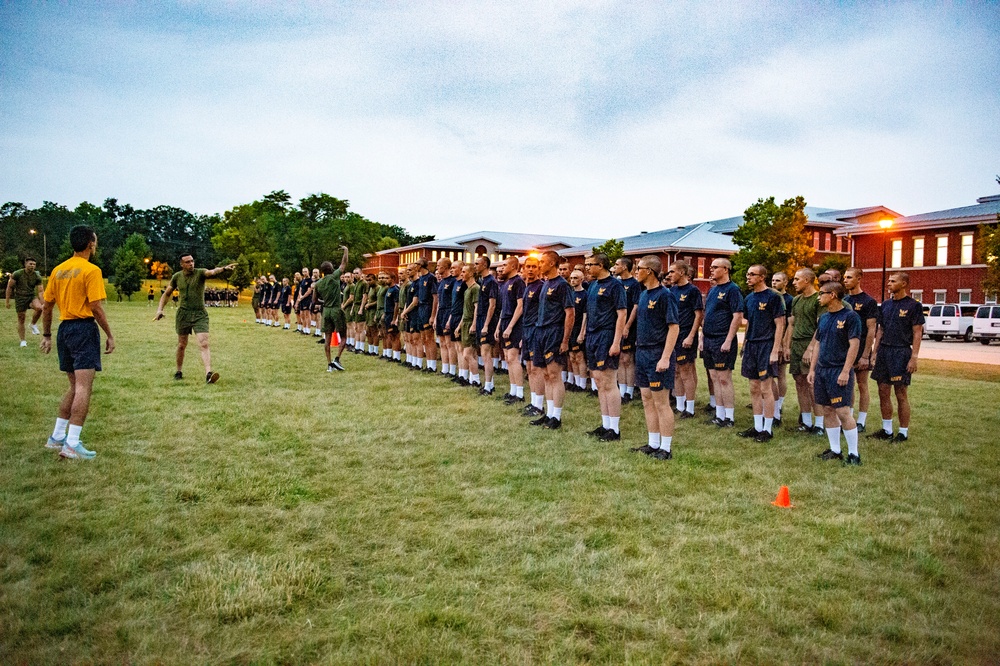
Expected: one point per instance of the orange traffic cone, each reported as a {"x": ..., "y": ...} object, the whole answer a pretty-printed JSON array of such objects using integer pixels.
[{"x": 782, "y": 499}]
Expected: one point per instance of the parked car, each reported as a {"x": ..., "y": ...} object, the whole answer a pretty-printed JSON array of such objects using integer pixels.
[
  {"x": 986, "y": 326},
  {"x": 950, "y": 321}
]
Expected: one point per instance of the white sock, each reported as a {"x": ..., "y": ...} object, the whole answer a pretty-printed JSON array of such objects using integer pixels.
[
  {"x": 689, "y": 406},
  {"x": 73, "y": 435},
  {"x": 730, "y": 412},
  {"x": 60, "y": 429},
  {"x": 905, "y": 432},
  {"x": 606, "y": 421},
  {"x": 593, "y": 384},
  {"x": 819, "y": 421},
  {"x": 665, "y": 441},
  {"x": 503, "y": 365},
  {"x": 807, "y": 418},
  {"x": 852, "y": 441},
  {"x": 614, "y": 420},
  {"x": 621, "y": 389},
  {"x": 480, "y": 361},
  {"x": 630, "y": 390},
  {"x": 778, "y": 404},
  {"x": 489, "y": 386},
  {"x": 758, "y": 422},
  {"x": 711, "y": 401},
  {"x": 862, "y": 418},
  {"x": 564, "y": 376},
  {"x": 396, "y": 355},
  {"x": 475, "y": 379},
  {"x": 463, "y": 373},
  {"x": 720, "y": 412},
  {"x": 548, "y": 408},
  {"x": 496, "y": 363},
  {"x": 538, "y": 400},
  {"x": 433, "y": 365},
  {"x": 833, "y": 434},
  {"x": 518, "y": 391},
  {"x": 887, "y": 425},
  {"x": 679, "y": 400},
  {"x": 557, "y": 413},
  {"x": 654, "y": 440},
  {"x": 581, "y": 382},
  {"x": 570, "y": 378},
  {"x": 768, "y": 424}
]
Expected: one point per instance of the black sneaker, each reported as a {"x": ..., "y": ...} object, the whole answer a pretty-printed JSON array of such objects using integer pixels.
[
  {"x": 610, "y": 436},
  {"x": 552, "y": 424},
  {"x": 597, "y": 432},
  {"x": 899, "y": 438},
  {"x": 853, "y": 459},
  {"x": 513, "y": 400},
  {"x": 178, "y": 375},
  {"x": 540, "y": 421},
  {"x": 727, "y": 423},
  {"x": 805, "y": 429},
  {"x": 817, "y": 431},
  {"x": 687, "y": 415},
  {"x": 505, "y": 396},
  {"x": 881, "y": 434},
  {"x": 531, "y": 410},
  {"x": 830, "y": 455},
  {"x": 211, "y": 377},
  {"x": 336, "y": 364},
  {"x": 661, "y": 454},
  {"x": 462, "y": 381},
  {"x": 861, "y": 427},
  {"x": 593, "y": 393},
  {"x": 764, "y": 436},
  {"x": 329, "y": 367},
  {"x": 626, "y": 399},
  {"x": 645, "y": 448},
  {"x": 485, "y": 391},
  {"x": 749, "y": 433},
  {"x": 708, "y": 409},
  {"x": 320, "y": 341},
  {"x": 777, "y": 423}
]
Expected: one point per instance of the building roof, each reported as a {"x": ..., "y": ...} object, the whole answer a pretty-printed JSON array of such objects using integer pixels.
[
  {"x": 985, "y": 210},
  {"x": 691, "y": 237},
  {"x": 504, "y": 240}
]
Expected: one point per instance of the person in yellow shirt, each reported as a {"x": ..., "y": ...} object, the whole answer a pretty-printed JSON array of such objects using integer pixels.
[{"x": 76, "y": 287}]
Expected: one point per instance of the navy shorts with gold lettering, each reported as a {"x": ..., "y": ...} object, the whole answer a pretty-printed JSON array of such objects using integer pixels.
[
  {"x": 514, "y": 340},
  {"x": 757, "y": 361},
  {"x": 715, "y": 358},
  {"x": 685, "y": 355},
  {"x": 598, "y": 343},
  {"x": 547, "y": 341},
  {"x": 890, "y": 365},
  {"x": 646, "y": 375},
  {"x": 828, "y": 393}
]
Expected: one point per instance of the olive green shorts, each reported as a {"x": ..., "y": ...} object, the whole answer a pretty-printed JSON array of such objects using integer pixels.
[
  {"x": 795, "y": 365},
  {"x": 23, "y": 303},
  {"x": 191, "y": 321},
  {"x": 334, "y": 320}
]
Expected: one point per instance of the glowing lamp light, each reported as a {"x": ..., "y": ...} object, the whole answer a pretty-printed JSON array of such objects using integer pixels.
[{"x": 885, "y": 224}]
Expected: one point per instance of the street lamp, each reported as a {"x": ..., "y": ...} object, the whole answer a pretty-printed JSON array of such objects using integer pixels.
[
  {"x": 45, "y": 250},
  {"x": 886, "y": 224}
]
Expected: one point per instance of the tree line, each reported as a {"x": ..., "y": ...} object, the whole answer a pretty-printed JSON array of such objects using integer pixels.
[{"x": 269, "y": 235}]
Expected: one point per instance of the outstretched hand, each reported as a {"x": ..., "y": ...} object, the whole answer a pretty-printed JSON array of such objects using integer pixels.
[{"x": 159, "y": 316}]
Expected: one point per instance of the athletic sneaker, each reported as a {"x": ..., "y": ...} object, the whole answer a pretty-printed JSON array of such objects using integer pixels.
[
  {"x": 803, "y": 428},
  {"x": 34, "y": 330},
  {"x": 540, "y": 421},
  {"x": 645, "y": 448},
  {"x": 709, "y": 409},
  {"x": 899, "y": 438},
  {"x": 830, "y": 455},
  {"x": 610, "y": 436},
  {"x": 853, "y": 459},
  {"x": 763, "y": 436},
  {"x": 726, "y": 423},
  {"x": 687, "y": 415},
  {"x": 24, "y": 343},
  {"x": 329, "y": 367},
  {"x": 336, "y": 364},
  {"x": 817, "y": 431},
  {"x": 749, "y": 433},
  {"x": 861, "y": 427},
  {"x": 882, "y": 434},
  {"x": 627, "y": 398},
  {"x": 777, "y": 423},
  {"x": 485, "y": 391},
  {"x": 598, "y": 431},
  {"x": 77, "y": 451},
  {"x": 661, "y": 454},
  {"x": 55, "y": 443},
  {"x": 178, "y": 375},
  {"x": 513, "y": 400},
  {"x": 211, "y": 377},
  {"x": 552, "y": 424},
  {"x": 531, "y": 410}
]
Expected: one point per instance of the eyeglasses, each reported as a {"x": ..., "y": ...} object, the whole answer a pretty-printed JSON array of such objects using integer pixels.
[
  {"x": 755, "y": 274},
  {"x": 641, "y": 268},
  {"x": 589, "y": 265},
  {"x": 716, "y": 267}
]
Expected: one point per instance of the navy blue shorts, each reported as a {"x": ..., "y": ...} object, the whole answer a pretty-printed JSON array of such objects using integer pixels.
[
  {"x": 628, "y": 340},
  {"x": 546, "y": 347},
  {"x": 489, "y": 337},
  {"x": 757, "y": 361},
  {"x": 890, "y": 366},
  {"x": 78, "y": 342},
  {"x": 828, "y": 393},
  {"x": 646, "y": 375},
  {"x": 527, "y": 341},
  {"x": 422, "y": 318},
  {"x": 575, "y": 346},
  {"x": 715, "y": 358},
  {"x": 514, "y": 340},
  {"x": 598, "y": 344},
  {"x": 685, "y": 355}
]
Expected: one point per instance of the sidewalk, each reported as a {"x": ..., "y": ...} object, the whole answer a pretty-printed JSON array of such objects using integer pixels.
[{"x": 953, "y": 350}]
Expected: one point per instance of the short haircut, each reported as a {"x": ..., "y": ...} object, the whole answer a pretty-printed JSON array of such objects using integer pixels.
[
  {"x": 80, "y": 237},
  {"x": 564, "y": 261},
  {"x": 602, "y": 259},
  {"x": 186, "y": 254},
  {"x": 553, "y": 257},
  {"x": 627, "y": 263},
  {"x": 682, "y": 267},
  {"x": 725, "y": 263},
  {"x": 781, "y": 273},
  {"x": 762, "y": 267},
  {"x": 825, "y": 278},
  {"x": 445, "y": 261},
  {"x": 904, "y": 277},
  {"x": 807, "y": 273},
  {"x": 835, "y": 288},
  {"x": 653, "y": 263},
  {"x": 854, "y": 269},
  {"x": 326, "y": 267},
  {"x": 28, "y": 258}
]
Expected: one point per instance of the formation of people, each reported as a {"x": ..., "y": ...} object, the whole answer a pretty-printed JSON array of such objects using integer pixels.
[{"x": 609, "y": 329}]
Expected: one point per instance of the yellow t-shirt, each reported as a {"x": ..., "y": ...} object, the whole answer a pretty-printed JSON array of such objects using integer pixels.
[{"x": 73, "y": 286}]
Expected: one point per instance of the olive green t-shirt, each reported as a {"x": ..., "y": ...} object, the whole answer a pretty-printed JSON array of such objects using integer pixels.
[
  {"x": 359, "y": 295},
  {"x": 469, "y": 307},
  {"x": 25, "y": 284},
  {"x": 328, "y": 289},
  {"x": 380, "y": 299},
  {"x": 404, "y": 295},
  {"x": 190, "y": 289},
  {"x": 805, "y": 309}
]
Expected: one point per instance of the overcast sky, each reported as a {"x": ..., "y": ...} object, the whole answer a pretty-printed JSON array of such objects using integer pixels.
[{"x": 584, "y": 118}]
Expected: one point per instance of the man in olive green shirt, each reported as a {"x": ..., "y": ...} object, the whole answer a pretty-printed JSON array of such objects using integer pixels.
[
  {"x": 798, "y": 346},
  {"x": 192, "y": 317},
  {"x": 333, "y": 317},
  {"x": 468, "y": 367},
  {"x": 25, "y": 285}
]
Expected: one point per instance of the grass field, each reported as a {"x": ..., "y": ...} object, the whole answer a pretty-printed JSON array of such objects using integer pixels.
[{"x": 287, "y": 515}]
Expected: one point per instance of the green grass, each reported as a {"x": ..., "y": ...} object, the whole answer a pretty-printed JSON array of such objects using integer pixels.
[{"x": 287, "y": 515}]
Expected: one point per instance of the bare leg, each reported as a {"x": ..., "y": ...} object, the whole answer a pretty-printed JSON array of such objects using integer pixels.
[
  {"x": 554, "y": 386},
  {"x": 206, "y": 354},
  {"x": 182, "y": 341},
  {"x": 903, "y": 399},
  {"x": 83, "y": 384}
]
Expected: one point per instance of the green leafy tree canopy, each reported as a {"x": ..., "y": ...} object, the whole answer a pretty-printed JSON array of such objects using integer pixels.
[
  {"x": 615, "y": 249},
  {"x": 774, "y": 236}
]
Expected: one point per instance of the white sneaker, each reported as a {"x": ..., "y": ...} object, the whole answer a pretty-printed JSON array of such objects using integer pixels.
[
  {"x": 34, "y": 330},
  {"x": 55, "y": 443},
  {"x": 77, "y": 451},
  {"x": 24, "y": 343}
]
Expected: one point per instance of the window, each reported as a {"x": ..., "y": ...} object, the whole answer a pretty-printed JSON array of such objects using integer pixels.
[
  {"x": 917, "y": 295},
  {"x": 689, "y": 261},
  {"x": 701, "y": 267},
  {"x": 918, "y": 252},
  {"x": 940, "y": 295},
  {"x": 964, "y": 296},
  {"x": 990, "y": 299},
  {"x": 815, "y": 240},
  {"x": 942, "y": 250},
  {"x": 966, "y": 249},
  {"x": 896, "y": 259},
  {"x": 434, "y": 255}
]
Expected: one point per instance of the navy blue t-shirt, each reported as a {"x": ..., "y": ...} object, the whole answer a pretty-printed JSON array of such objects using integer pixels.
[
  {"x": 487, "y": 290},
  {"x": 788, "y": 298},
  {"x": 426, "y": 288},
  {"x": 391, "y": 298},
  {"x": 510, "y": 293},
  {"x": 864, "y": 305},
  {"x": 761, "y": 308},
  {"x": 604, "y": 299},
  {"x": 554, "y": 298},
  {"x": 657, "y": 311},
  {"x": 632, "y": 292},
  {"x": 835, "y": 332},
  {"x": 724, "y": 301},
  {"x": 529, "y": 315},
  {"x": 457, "y": 302},
  {"x": 898, "y": 317},
  {"x": 580, "y": 305},
  {"x": 688, "y": 302},
  {"x": 444, "y": 288}
]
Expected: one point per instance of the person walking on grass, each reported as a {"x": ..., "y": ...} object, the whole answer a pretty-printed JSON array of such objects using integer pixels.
[
  {"x": 76, "y": 287},
  {"x": 25, "y": 285},
  {"x": 191, "y": 317},
  {"x": 328, "y": 289}
]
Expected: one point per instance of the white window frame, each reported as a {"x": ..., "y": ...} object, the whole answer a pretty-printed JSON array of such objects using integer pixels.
[
  {"x": 990, "y": 299},
  {"x": 940, "y": 296},
  {"x": 896, "y": 253},
  {"x": 941, "y": 248},
  {"x": 917, "y": 295},
  {"x": 964, "y": 296},
  {"x": 963, "y": 260},
  {"x": 918, "y": 252},
  {"x": 816, "y": 241}
]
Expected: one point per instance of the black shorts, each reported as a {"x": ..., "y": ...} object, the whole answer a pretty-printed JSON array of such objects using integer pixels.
[
  {"x": 545, "y": 347},
  {"x": 715, "y": 358},
  {"x": 513, "y": 341},
  {"x": 685, "y": 355},
  {"x": 890, "y": 366},
  {"x": 828, "y": 393},
  {"x": 646, "y": 375},
  {"x": 286, "y": 309},
  {"x": 628, "y": 340},
  {"x": 487, "y": 338},
  {"x": 598, "y": 345},
  {"x": 757, "y": 361},
  {"x": 78, "y": 342},
  {"x": 305, "y": 305}
]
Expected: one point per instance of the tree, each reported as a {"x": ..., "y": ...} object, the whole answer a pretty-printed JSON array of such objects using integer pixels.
[
  {"x": 832, "y": 261},
  {"x": 241, "y": 277},
  {"x": 773, "y": 236},
  {"x": 989, "y": 250},
  {"x": 160, "y": 270},
  {"x": 615, "y": 249},
  {"x": 128, "y": 270}
]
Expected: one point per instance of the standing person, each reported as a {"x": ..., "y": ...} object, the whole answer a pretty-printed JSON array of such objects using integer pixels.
[
  {"x": 509, "y": 331},
  {"x": 764, "y": 312},
  {"x": 690, "y": 312},
  {"x": 371, "y": 315},
  {"x": 191, "y": 317},
  {"x": 303, "y": 303},
  {"x": 723, "y": 316},
  {"x": 453, "y": 326},
  {"x": 779, "y": 282},
  {"x": 798, "y": 345},
  {"x": 443, "y": 312},
  {"x": 25, "y": 285},
  {"x": 467, "y": 328},
  {"x": 150, "y": 297},
  {"x": 552, "y": 331},
  {"x": 421, "y": 309},
  {"x": 865, "y": 307},
  {"x": 606, "y": 317},
  {"x": 832, "y": 370},
  {"x": 76, "y": 287},
  {"x": 390, "y": 321},
  {"x": 897, "y": 344},
  {"x": 657, "y": 330},
  {"x": 333, "y": 320},
  {"x": 255, "y": 300},
  {"x": 285, "y": 302},
  {"x": 487, "y": 317},
  {"x": 577, "y": 359},
  {"x": 626, "y": 373},
  {"x": 529, "y": 318}
]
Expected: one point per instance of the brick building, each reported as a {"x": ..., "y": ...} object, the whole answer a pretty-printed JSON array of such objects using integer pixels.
[{"x": 937, "y": 249}]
